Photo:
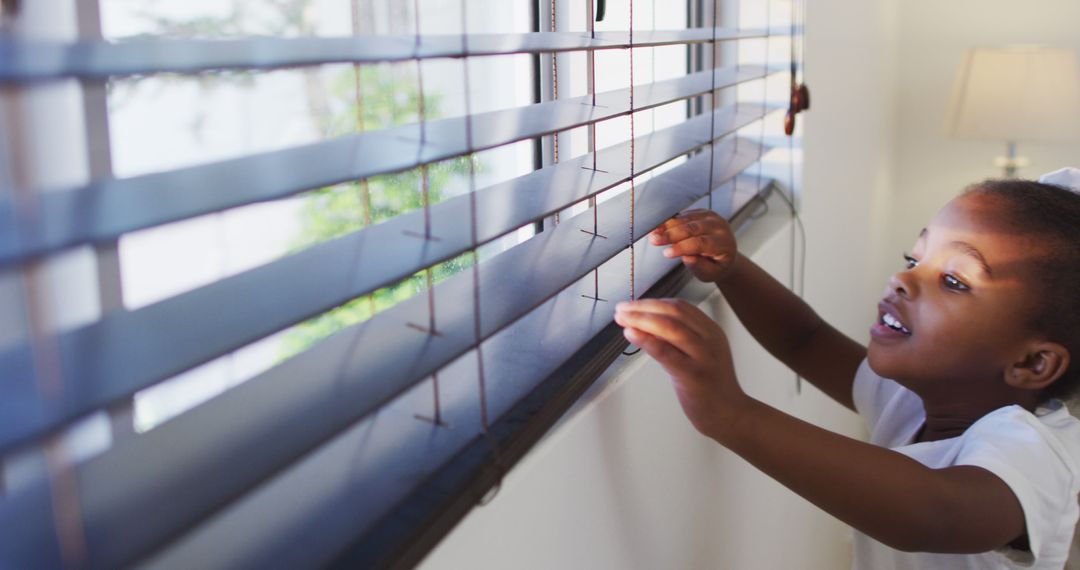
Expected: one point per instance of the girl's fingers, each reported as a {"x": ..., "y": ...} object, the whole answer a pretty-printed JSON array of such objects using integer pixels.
[
  {"x": 683, "y": 217},
  {"x": 658, "y": 235},
  {"x": 712, "y": 246},
  {"x": 667, "y": 328},
  {"x": 669, "y": 307},
  {"x": 693, "y": 212},
  {"x": 674, "y": 321},
  {"x": 706, "y": 225},
  {"x": 671, "y": 358}
]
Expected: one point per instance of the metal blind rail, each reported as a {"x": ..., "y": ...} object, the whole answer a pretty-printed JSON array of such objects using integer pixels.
[
  {"x": 223, "y": 448},
  {"x": 126, "y": 351},
  {"x": 104, "y": 210},
  {"x": 25, "y": 61}
]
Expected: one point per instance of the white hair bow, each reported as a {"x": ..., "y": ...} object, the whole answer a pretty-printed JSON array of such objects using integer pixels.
[{"x": 1068, "y": 177}]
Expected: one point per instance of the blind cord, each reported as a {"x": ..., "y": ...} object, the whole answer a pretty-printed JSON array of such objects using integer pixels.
[
  {"x": 764, "y": 95},
  {"x": 554, "y": 93},
  {"x": 365, "y": 188},
  {"x": 712, "y": 105},
  {"x": 800, "y": 278},
  {"x": 425, "y": 198},
  {"x": 633, "y": 174},
  {"x": 593, "y": 203},
  {"x": 496, "y": 453},
  {"x": 633, "y": 293}
]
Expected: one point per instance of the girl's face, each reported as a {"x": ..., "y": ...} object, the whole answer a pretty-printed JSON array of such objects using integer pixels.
[{"x": 957, "y": 314}]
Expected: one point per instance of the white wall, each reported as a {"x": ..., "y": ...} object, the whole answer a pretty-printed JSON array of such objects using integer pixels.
[
  {"x": 625, "y": 482},
  {"x": 931, "y": 167}
]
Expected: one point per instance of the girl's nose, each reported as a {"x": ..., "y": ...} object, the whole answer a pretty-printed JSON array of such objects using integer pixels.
[{"x": 903, "y": 284}]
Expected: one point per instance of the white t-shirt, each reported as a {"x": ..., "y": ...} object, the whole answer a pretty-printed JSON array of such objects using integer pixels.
[{"x": 1036, "y": 455}]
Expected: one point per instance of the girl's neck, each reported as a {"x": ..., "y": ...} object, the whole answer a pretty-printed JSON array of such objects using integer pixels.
[
  {"x": 937, "y": 429},
  {"x": 951, "y": 420}
]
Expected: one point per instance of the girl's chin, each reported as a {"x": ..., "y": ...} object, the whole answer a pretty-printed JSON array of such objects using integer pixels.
[
  {"x": 891, "y": 371},
  {"x": 884, "y": 364}
]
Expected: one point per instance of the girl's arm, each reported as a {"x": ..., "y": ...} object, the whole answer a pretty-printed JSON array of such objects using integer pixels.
[
  {"x": 779, "y": 320},
  {"x": 884, "y": 494}
]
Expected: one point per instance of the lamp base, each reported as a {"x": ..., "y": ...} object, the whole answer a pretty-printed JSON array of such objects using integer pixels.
[
  {"x": 1009, "y": 165},
  {"x": 1010, "y": 162}
]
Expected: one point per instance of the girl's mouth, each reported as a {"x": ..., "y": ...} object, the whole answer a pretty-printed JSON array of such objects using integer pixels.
[
  {"x": 889, "y": 327},
  {"x": 890, "y": 320}
]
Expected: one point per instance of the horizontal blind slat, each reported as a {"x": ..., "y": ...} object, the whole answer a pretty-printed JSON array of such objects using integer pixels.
[
  {"x": 262, "y": 425},
  {"x": 24, "y": 61},
  {"x": 104, "y": 210},
  {"x": 128, "y": 351}
]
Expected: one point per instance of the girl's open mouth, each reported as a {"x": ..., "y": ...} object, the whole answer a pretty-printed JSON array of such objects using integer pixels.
[
  {"x": 889, "y": 326},
  {"x": 890, "y": 320}
]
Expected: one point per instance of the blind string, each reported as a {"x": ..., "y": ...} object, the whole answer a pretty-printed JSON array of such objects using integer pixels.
[
  {"x": 425, "y": 198},
  {"x": 425, "y": 179},
  {"x": 592, "y": 93},
  {"x": 497, "y": 458},
  {"x": 420, "y": 73},
  {"x": 712, "y": 103},
  {"x": 474, "y": 216},
  {"x": 589, "y": 16},
  {"x": 555, "y": 92},
  {"x": 792, "y": 45},
  {"x": 738, "y": 68},
  {"x": 44, "y": 347},
  {"x": 633, "y": 293},
  {"x": 652, "y": 75},
  {"x": 46, "y": 360},
  {"x": 632, "y": 173},
  {"x": 795, "y": 17},
  {"x": 59, "y": 468},
  {"x": 45, "y": 355},
  {"x": 764, "y": 95},
  {"x": 800, "y": 96},
  {"x": 802, "y": 38},
  {"x": 365, "y": 189}
]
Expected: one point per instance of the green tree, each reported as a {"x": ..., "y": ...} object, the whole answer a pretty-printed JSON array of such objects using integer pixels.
[
  {"x": 367, "y": 97},
  {"x": 339, "y": 210}
]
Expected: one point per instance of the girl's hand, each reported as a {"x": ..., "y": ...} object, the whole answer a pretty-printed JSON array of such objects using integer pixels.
[
  {"x": 694, "y": 351},
  {"x": 703, "y": 239}
]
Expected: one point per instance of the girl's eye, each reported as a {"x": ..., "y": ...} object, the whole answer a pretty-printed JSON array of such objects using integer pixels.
[
  {"x": 910, "y": 262},
  {"x": 954, "y": 283}
]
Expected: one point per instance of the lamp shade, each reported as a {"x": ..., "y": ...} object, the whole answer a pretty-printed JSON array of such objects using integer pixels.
[{"x": 1021, "y": 93}]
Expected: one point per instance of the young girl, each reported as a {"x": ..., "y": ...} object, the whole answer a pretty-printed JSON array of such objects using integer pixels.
[{"x": 974, "y": 462}]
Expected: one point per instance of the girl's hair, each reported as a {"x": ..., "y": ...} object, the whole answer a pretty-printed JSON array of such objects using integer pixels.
[{"x": 1051, "y": 214}]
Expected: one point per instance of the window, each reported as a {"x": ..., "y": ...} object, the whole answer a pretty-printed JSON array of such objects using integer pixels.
[
  {"x": 165, "y": 122},
  {"x": 338, "y": 262}
]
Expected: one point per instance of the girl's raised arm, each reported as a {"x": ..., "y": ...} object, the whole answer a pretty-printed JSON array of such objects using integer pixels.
[
  {"x": 883, "y": 493},
  {"x": 778, "y": 319}
]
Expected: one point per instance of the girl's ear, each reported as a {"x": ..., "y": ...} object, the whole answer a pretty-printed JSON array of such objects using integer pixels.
[{"x": 1044, "y": 363}]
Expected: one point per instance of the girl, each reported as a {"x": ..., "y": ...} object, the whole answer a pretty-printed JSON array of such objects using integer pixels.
[{"x": 973, "y": 460}]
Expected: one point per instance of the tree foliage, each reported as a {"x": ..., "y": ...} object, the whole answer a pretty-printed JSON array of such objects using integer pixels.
[
  {"x": 359, "y": 98},
  {"x": 384, "y": 101}
]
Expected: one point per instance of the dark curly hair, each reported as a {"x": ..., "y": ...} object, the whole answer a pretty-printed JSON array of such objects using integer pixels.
[{"x": 1051, "y": 214}]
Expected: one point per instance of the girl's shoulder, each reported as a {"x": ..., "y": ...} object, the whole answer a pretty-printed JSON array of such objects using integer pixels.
[
  {"x": 1038, "y": 456},
  {"x": 1051, "y": 428}
]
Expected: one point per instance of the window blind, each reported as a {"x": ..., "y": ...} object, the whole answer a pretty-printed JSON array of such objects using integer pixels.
[{"x": 324, "y": 449}]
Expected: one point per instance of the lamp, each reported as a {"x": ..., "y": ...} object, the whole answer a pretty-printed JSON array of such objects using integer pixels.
[{"x": 1017, "y": 93}]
